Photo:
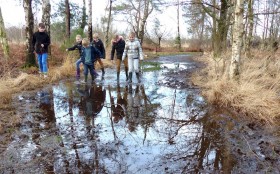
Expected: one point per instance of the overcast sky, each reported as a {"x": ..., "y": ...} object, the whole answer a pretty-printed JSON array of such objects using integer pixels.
[{"x": 13, "y": 15}]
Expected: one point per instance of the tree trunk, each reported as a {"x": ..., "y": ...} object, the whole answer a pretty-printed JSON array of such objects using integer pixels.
[
  {"x": 108, "y": 24},
  {"x": 3, "y": 37},
  {"x": 144, "y": 20},
  {"x": 220, "y": 25},
  {"x": 237, "y": 40},
  {"x": 251, "y": 28},
  {"x": 90, "y": 20},
  {"x": 46, "y": 16},
  {"x": 83, "y": 23},
  {"x": 67, "y": 19},
  {"x": 178, "y": 26},
  {"x": 223, "y": 25},
  {"x": 29, "y": 25}
]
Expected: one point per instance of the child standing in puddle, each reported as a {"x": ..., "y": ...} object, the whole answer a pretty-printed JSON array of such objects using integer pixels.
[
  {"x": 77, "y": 46},
  {"x": 88, "y": 58}
]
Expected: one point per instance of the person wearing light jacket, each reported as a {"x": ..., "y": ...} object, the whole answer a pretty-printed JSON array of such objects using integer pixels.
[{"x": 133, "y": 51}]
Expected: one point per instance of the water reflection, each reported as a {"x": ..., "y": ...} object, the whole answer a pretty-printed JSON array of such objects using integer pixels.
[
  {"x": 92, "y": 98},
  {"x": 126, "y": 128},
  {"x": 119, "y": 107},
  {"x": 46, "y": 105}
]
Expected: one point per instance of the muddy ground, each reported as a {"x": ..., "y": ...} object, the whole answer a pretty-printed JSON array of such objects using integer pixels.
[{"x": 161, "y": 125}]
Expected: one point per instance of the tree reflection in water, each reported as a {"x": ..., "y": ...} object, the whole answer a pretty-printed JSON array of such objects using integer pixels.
[{"x": 134, "y": 129}]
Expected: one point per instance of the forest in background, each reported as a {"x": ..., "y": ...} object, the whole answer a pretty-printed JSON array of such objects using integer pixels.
[{"x": 239, "y": 39}]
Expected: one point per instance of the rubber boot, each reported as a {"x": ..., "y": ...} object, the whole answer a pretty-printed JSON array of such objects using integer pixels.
[
  {"x": 130, "y": 89},
  {"x": 86, "y": 78},
  {"x": 126, "y": 73},
  {"x": 130, "y": 77},
  {"x": 103, "y": 72},
  {"x": 118, "y": 76},
  {"x": 78, "y": 74},
  {"x": 138, "y": 77}
]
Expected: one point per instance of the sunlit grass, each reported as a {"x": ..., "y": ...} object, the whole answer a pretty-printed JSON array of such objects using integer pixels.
[
  {"x": 150, "y": 66},
  {"x": 256, "y": 94}
]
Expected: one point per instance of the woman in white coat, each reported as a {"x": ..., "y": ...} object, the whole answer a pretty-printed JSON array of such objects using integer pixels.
[{"x": 133, "y": 50}]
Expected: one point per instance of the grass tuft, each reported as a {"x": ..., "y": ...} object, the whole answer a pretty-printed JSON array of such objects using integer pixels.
[{"x": 256, "y": 94}]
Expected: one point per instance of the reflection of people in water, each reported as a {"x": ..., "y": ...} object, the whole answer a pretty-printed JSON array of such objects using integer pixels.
[
  {"x": 46, "y": 104},
  {"x": 118, "y": 109},
  {"x": 92, "y": 99},
  {"x": 133, "y": 107}
]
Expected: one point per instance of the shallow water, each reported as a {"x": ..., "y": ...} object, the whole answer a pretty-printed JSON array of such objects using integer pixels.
[{"x": 110, "y": 127}]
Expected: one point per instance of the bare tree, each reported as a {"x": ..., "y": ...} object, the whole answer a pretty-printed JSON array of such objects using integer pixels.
[
  {"x": 46, "y": 7},
  {"x": 159, "y": 31},
  {"x": 178, "y": 39},
  {"x": 238, "y": 31},
  {"x": 90, "y": 20},
  {"x": 3, "y": 37},
  {"x": 67, "y": 18},
  {"x": 148, "y": 8},
  {"x": 29, "y": 25},
  {"x": 83, "y": 21},
  {"x": 251, "y": 28},
  {"x": 108, "y": 23},
  {"x": 136, "y": 14},
  {"x": 220, "y": 15}
]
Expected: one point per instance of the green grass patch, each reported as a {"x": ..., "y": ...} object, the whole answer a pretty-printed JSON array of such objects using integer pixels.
[
  {"x": 158, "y": 54},
  {"x": 150, "y": 66}
]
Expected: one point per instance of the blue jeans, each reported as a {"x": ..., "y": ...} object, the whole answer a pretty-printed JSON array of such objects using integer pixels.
[
  {"x": 91, "y": 69},
  {"x": 78, "y": 62},
  {"x": 43, "y": 62}
]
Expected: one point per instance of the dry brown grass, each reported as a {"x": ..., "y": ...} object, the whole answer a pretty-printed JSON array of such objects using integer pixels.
[
  {"x": 256, "y": 93},
  {"x": 10, "y": 85}
]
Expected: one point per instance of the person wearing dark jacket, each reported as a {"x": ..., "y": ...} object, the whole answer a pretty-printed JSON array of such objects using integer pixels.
[
  {"x": 97, "y": 43},
  {"x": 77, "y": 46},
  {"x": 118, "y": 45},
  {"x": 89, "y": 54},
  {"x": 41, "y": 42}
]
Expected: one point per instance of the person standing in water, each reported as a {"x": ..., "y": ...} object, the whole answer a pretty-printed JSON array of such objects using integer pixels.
[
  {"x": 133, "y": 51},
  {"x": 118, "y": 45},
  {"x": 98, "y": 44}
]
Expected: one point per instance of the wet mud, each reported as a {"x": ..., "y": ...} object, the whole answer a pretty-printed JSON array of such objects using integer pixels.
[{"x": 161, "y": 125}]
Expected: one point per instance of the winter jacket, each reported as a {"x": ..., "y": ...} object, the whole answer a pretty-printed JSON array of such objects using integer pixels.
[
  {"x": 38, "y": 39},
  {"x": 77, "y": 46},
  {"x": 94, "y": 54},
  {"x": 100, "y": 46},
  {"x": 119, "y": 48},
  {"x": 133, "y": 50}
]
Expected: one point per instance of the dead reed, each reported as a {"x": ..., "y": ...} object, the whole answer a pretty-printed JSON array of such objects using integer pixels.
[{"x": 256, "y": 94}]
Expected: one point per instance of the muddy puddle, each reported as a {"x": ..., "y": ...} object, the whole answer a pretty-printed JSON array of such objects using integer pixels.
[{"x": 161, "y": 125}]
